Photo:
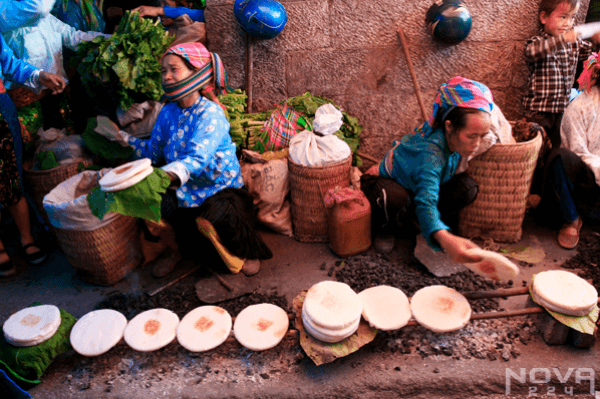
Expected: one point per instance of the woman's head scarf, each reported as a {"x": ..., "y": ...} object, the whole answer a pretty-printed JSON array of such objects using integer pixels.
[
  {"x": 589, "y": 75},
  {"x": 210, "y": 77},
  {"x": 457, "y": 92}
]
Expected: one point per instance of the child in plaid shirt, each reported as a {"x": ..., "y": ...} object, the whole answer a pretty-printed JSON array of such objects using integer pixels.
[{"x": 552, "y": 60}]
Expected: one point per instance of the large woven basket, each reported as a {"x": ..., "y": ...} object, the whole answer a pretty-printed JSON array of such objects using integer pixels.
[
  {"x": 307, "y": 187},
  {"x": 41, "y": 182},
  {"x": 105, "y": 255},
  {"x": 504, "y": 174}
]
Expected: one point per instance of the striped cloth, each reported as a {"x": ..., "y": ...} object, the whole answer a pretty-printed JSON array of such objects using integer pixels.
[
  {"x": 282, "y": 125},
  {"x": 589, "y": 75}
]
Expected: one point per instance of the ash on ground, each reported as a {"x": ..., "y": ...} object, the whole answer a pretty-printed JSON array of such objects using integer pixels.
[
  {"x": 587, "y": 260},
  {"x": 491, "y": 339}
]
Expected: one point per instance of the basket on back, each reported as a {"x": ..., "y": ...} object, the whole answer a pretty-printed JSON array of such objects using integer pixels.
[
  {"x": 504, "y": 174},
  {"x": 307, "y": 187}
]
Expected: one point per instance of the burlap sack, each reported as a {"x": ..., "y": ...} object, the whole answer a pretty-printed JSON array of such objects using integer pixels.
[
  {"x": 140, "y": 118},
  {"x": 268, "y": 183}
]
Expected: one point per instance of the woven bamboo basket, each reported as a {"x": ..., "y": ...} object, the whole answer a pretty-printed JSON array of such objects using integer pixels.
[
  {"x": 105, "y": 255},
  {"x": 307, "y": 187},
  {"x": 41, "y": 182},
  {"x": 504, "y": 174},
  {"x": 22, "y": 96}
]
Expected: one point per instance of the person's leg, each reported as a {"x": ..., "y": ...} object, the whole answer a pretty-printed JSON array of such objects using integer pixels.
[
  {"x": 20, "y": 213},
  {"x": 455, "y": 194},
  {"x": 7, "y": 268}
]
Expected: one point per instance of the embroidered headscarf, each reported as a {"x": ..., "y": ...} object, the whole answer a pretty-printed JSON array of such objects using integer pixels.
[
  {"x": 457, "y": 92},
  {"x": 589, "y": 75},
  {"x": 210, "y": 78}
]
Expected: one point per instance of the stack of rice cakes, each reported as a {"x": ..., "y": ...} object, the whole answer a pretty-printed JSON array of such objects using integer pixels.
[
  {"x": 564, "y": 292},
  {"x": 32, "y": 326},
  {"x": 331, "y": 311}
]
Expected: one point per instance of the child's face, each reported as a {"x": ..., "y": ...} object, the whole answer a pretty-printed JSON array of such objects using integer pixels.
[{"x": 560, "y": 20}]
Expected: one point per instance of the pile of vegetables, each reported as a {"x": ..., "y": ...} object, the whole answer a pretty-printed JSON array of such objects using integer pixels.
[
  {"x": 307, "y": 104},
  {"x": 129, "y": 60},
  {"x": 247, "y": 130}
]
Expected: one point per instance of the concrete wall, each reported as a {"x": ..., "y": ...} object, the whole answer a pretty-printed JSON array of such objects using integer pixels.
[{"x": 348, "y": 50}]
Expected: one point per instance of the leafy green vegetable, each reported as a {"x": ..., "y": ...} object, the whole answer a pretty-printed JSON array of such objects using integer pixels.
[
  {"x": 46, "y": 160},
  {"x": 246, "y": 129},
  {"x": 128, "y": 60}
]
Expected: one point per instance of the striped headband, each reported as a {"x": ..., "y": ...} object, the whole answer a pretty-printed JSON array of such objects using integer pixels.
[{"x": 210, "y": 78}]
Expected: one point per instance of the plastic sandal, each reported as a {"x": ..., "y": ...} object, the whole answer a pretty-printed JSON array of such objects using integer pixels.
[{"x": 568, "y": 236}]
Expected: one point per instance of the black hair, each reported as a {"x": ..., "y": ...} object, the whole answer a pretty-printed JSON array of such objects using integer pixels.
[
  {"x": 457, "y": 116},
  {"x": 548, "y": 6}
]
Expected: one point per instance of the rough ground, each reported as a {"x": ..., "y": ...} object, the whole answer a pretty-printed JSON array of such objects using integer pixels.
[{"x": 412, "y": 362}]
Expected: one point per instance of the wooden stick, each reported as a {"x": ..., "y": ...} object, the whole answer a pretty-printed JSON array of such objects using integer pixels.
[
  {"x": 249, "y": 62},
  {"x": 497, "y": 315},
  {"x": 497, "y": 293},
  {"x": 367, "y": 157},
  {"x": 184, "y": 275},
  {"x": 221, "y": 279},
  {"x": 411, "y": 69}
]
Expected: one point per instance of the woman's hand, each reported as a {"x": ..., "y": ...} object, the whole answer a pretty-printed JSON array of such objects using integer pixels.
[
  {"x": 572, "y": 36},
  {"x": 457, "y": 247},
  {"x": 109, "y": 130},
  {"x": 175, "y": 182},
  {"x": 373, "y": 170},
  {"x": 596, "y": 38},
  {"x": 54, "y": 82},
  {"x": 149, "y": 11}
]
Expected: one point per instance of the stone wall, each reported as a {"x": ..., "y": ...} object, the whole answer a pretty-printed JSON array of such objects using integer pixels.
[{"x": 348, "y": 50}]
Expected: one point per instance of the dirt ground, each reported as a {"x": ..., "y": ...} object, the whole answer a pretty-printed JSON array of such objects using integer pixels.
[{"x": 495, "y": 358}]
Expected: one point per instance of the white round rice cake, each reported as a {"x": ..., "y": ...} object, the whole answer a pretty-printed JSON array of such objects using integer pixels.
[
  {"x": 124, "y": 172},
  {"x": 325, "y": 335},
  {"x": 151, "y": 330},
  {"x": 97, "y": 332},
  {"x": 553, "y": 308},
  {"x": 494, "y": 265},
  {"x": 440, "y": 308},
  {"x": 332, "y": 305},
  {"x": 565, "y": 292},
  {"x": 261, "y": 327},
  {"x": 32, "y": 325},
  {"x": 132, "y": 181},
  {"x": 204, "y": 328},
  {"x": 385, "y": 308}
]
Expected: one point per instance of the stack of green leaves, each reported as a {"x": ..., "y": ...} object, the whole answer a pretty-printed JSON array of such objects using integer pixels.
[
  {"x": 129, "y": 60},
  {"x": 307, "y": 104},
  {"x": 142, "y": 200},
  {"x": 246, "y": 129}
]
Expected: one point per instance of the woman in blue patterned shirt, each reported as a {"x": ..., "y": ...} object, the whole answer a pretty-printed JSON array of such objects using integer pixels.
[{"x": 191, "y": 137}]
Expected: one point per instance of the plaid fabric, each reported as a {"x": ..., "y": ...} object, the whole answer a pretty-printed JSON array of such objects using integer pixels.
[
  {"x": 211, "y": 78},
  {"x": 589, "y": 75},
  {"x": 552, "y": 63},
  {"x": 88, "y": 11},
  {"x": 282, "y": 125},
  {"x": 458, "y": 92}
]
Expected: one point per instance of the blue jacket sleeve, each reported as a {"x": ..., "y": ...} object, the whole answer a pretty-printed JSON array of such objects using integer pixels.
[
  {"x": 174, "y": 12},
  {"x": 12, "y": 67},
  {"x": 427, "y": 177},
  {"x": 16, "y": 13}
]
